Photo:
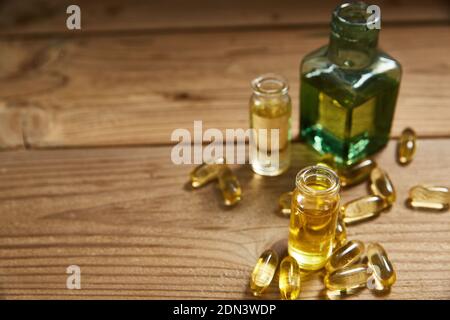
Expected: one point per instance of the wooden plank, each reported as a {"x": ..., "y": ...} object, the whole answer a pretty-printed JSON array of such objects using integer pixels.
[
  {"x": 50, "y": 16},
  {"x": 96, "y": 91},
  {"x": 10, "y": 128},
  {"x": 127, "y": 218}
]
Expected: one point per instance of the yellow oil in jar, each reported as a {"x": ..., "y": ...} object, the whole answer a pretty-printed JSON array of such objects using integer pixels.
[{"x": 314, "y": 213}]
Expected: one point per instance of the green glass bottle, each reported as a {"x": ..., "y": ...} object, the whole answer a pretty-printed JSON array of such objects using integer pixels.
[{"x": 349, "y": 89}]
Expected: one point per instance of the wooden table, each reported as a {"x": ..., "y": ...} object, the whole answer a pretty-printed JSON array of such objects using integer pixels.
[{"x": 85, "y": 124}]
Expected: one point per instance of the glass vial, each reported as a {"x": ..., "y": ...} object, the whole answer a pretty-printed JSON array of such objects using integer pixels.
[
  {"x": 348, "y": 89},
  {"x": 314, "y": 214},
  {"x": 270, "y": 108}
]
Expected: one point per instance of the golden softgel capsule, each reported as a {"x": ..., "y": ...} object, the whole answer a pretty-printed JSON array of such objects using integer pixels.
[
  {"x": 289, "y": 281},
  {"x": 406, "y": 146},
  {"x": 284, "y": 202},
  {"x": 356, "y": 173},
  {"x": 264, "y": 271},
  {"x": 341, "y": 233},
  {"x": 346, "y": 255},
  {"x": 327, "y": 160},
  {"x": 429, "y": 198},
  {"x": 206, "y": 172},
  {"x": 380, "y": 265},
  {"x": 230, "y": 187},
  {"x": 314, "y": 212},
  {"x": 351, "y": 277},
  {"x": 381, "y": 185},
  {"x": 363, "y": 208}
]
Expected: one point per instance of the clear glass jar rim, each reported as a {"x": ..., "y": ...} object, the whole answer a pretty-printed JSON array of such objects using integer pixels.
[
  {"x": 330, "y": 175},
  {"x": 279, "y": 83},
  {"x": 339, "y": 13}
]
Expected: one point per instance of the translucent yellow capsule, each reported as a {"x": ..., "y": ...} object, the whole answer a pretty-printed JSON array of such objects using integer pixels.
[
  {"x": 351, "y": 277},
  {"x": 430, "y": 193},
  {"x": 429, "y": 198},
  {"x": 290, "y": 279},
  {"x": 341, "y": 233},
  {"x": 363, "y": 208},
  {"x": 264, "y": 271},
  {"x": 356, "y": 173},
  {"x": 327, "y": 160},
  {"x": 406, "y": 146},
  {"x": 206, "y": 172},
  {"x": 381, "y": 185},
  {"x": 426, "y": 205},
  {"x": 346, "y": 255},
  {"x": 380, "y": 265},
  {"x": 230, "y": 187},
  {"x": 284, "y": 202}
]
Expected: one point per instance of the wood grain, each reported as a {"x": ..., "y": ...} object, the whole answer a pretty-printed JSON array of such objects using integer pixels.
[
  {"x": 49, "y": 16},
  {"x": 128, "y": 219},
  {"x": 136, "y": 89}
]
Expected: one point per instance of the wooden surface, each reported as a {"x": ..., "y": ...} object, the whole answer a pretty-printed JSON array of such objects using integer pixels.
[
  {"x": 124, "y": 90},
  {"x": 125, "y": 214},
  {"x": 127, "y": 218},
  {"x": 48, "y": 16}
]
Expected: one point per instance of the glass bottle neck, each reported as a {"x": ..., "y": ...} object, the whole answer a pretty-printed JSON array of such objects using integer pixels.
[
  {"x": 270, "y": 86},
  {"x": 317, "y": 181},
  {"x": 353, "y": 44}
]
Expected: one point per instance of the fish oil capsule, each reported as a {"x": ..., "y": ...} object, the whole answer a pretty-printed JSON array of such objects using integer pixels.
[
  {"x": 430, "y": 193},
  {"x": 356, "y": 173},
  {"x": 230, "y": 187},
  {"x": 284, "y": 202},
  {"x": 426, "y": 205},
  {"x": 264, "y": 271},
  {"x": 346, "y": 255},
  {"x": 406, "y": 146},
  {"x": 289, "y": 281},
  {"x": 327, "y": 160},
  {"x": 363, "y": 208},
  {"x": 429, "y": 198},
  {"x": 206, "y": 172},
  {"x": 351, "y": 277},
  {"x": 381, "y": 185},
  {"x": 380, "y": 265},
  {"x": 341, "y": 233}
]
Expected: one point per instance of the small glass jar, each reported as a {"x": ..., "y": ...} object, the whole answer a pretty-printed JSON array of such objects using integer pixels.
[
  {"x": 314, "y": 213},
  {"x": 270, "y": 108}
]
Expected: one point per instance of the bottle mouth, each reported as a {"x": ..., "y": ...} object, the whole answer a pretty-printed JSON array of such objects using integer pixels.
[
  {"x": 270, "y": 84},
  {"x": 318, "y": 181},
  {"x": 354, "y": 18},
  {"x": 352, "y": 13}
]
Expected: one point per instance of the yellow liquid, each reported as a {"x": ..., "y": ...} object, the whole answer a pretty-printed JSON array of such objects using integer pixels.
[
  {"x": 406, "y": 146},
  {"x": 230, "y": 186},
  {"x": 351, "y": 277},
  {"x": 264, "y": 271},
  {"x": 381, "y": 185},
  {"x": 340, "y": 237},
  {"x": 312, "y": 230},
  {"x": 290, "y": 279},
  {"x": 284, "y": 201},
  {"x": 381, "y": 265},
  {"x": 265, "y": 160}
]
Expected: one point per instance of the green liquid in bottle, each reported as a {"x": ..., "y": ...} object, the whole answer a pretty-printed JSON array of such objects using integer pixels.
[{"x": 348, "y": 91}]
